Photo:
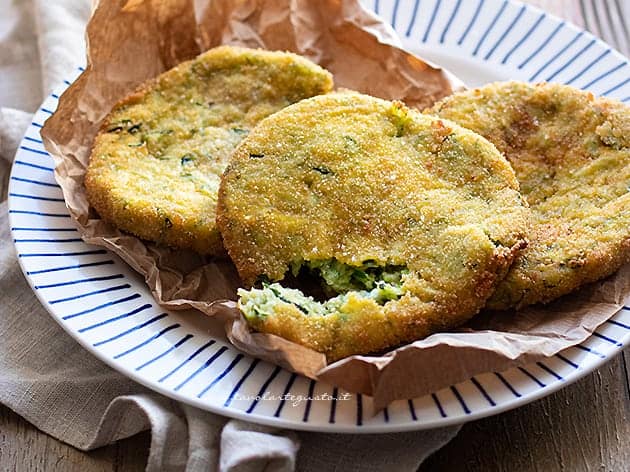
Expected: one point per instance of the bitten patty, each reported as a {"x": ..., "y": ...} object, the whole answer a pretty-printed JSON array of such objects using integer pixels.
[{"x": 408, "y": 221}]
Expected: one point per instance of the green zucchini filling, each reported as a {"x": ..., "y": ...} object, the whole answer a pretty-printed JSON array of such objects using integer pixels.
[
  {"x": 370, "y": 281},
  {"x": 341, "y": 278}
]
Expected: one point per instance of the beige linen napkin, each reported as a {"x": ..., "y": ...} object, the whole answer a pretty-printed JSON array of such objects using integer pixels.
[{"x": 49, "y": 379}]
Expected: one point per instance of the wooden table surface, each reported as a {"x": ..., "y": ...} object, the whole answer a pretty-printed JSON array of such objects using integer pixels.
[{"x": 584, "y": 426}]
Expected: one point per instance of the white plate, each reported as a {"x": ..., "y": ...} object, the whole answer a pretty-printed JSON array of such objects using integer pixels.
[{"x": 108, "y": 309}]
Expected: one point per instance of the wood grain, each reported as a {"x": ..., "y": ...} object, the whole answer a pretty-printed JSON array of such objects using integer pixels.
[
  {"x": 24, "y": 448},
  {"x": 585, "y": 426},
  {"x": 5, "y": 171}
]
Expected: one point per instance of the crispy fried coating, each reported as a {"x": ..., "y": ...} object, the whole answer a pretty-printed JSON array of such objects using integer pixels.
[
  {"x": 156, "y": 163},
  {"x": 411, "y": 219},
  {"x": 571, "y": 154}
]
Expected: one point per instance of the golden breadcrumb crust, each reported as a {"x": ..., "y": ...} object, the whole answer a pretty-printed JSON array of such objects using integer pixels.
[
  {"x": 571, "y": 154},
  {"x": 156, "y": 163},
  {"x": 354, "y": 178}
]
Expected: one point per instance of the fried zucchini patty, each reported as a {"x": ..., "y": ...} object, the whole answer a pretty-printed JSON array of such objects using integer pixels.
[
  {"x": 571, "y": 154},
  {"x": 157, "y": 161},
  {"x": 409, "y": 220}
]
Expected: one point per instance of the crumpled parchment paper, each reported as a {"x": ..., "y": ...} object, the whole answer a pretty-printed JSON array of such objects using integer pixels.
[{"x": 130, "y": 41}]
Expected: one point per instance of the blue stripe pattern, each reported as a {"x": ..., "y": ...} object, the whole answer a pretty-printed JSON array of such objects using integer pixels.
[
  {"x": 103, "y": 305},
  {"x": 284, "y": 394},
  {"x": 489, "y": 28},
  {"x": 450, "y": 21},
  {"x": 414, "y": 15},
  {"x": 217, "y": 379},
  {"x": 438, "y": 404},
  {"x": 616, "y": 87},
  {"x": 590, "y": 350},
  {"x": 39, "y": 213},
  {"x": 431, "y": 20},
  {"x": 588, "y": 66},
  {"x": 81, "y": 281},
  {"x": 67, "y": 240},
  {"x": 505, "y": 33},
  {"x": 89, "y": 294},
  {"x": 206, "y": 364},
  {"x": 34, "y": 151},
  {"x": 33, "y": 140},
  {"x": 63, "y": 254},
  {"x": 188, "y": 359},
  {"x": 165, "y": 353},
  {"x": 128, "y": 331},
  {"x": 241, "y": 381},
  {"x": 618, "y": 323},
  {"x": 472, "y": 22},
  {"x": 570, "y": 61},
  {"x": 35, "y": 166},
  {"x": 483, "y": 391},
  {"x": 520, "y": 42},
  {"x": 460, "y": 399},
  {"x": 36, "y": 182},
  {"x": 22, "y": 228},
  {"x": 147, "y": 341},
  {"x": 263, "y": 388},
  {"x": 36, "y": 197},
  {"x": 531, "y": 376},
  {"x": 412, "y": 410},
  {"x": 549, "y": 370},
  {"x": 543, "y": 44},
  {"x": 556, "y": 56},
  {"x": 70, "y": 267},
  {"x": 507, "y": 384},
  {"x": 359, "y": 409},
  {"x": 135, "y": 311},
  {"x": 395, "y": 13},
  {"x": 568, "y": 361},
  {"x": 307, "y": 409},
  {"x": 333, "y": 405},
  {"x": 607, "y": 339},
  {"x": 605, "y": 74}
]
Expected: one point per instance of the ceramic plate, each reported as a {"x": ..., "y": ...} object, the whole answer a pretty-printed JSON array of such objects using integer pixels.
[{"x": 106, "y": 307}]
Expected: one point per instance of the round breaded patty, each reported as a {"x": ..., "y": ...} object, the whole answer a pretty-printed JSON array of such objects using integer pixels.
[
  {"x": 571, "y": 154},
  {"x": 411, "y": 219},
  {"x": 157, "y": 161}
]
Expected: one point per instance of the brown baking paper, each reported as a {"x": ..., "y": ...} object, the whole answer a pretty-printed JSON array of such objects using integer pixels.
[{"x": 130, "y": 41}]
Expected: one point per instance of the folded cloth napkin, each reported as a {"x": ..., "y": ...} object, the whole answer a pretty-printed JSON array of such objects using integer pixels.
[{"x": 49, "y": 379}]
